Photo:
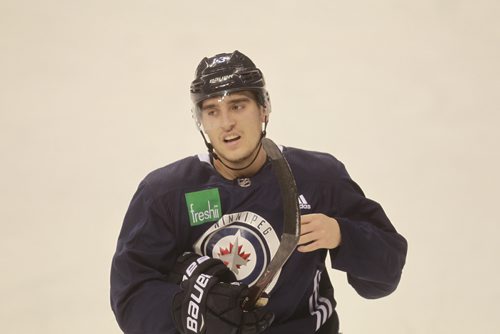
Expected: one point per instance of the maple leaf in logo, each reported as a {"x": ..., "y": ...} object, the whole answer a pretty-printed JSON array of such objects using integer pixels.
[{"x": 234, "y": 257}]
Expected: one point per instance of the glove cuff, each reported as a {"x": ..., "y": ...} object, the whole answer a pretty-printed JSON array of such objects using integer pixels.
[
  {"x": 194, "y": 305},
  {"x": 190, "y": 264}
]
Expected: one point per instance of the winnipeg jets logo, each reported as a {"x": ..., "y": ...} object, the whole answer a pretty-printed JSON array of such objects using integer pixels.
[
  {"x": 244, "y": 241},
  {"x": 233, "y": 256},
  {"x": 220, "y": 60}
]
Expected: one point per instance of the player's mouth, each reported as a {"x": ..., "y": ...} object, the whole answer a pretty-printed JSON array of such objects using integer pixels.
[{"x": 231, "y": 139}]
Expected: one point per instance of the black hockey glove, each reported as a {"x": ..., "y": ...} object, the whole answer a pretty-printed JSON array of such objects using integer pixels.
[
  {"x": 208, "y": 306},
  {"x": 191, "y": 264}
]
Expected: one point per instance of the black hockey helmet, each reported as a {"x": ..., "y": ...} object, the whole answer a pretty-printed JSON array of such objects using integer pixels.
[{"x": 225, "y": 73}]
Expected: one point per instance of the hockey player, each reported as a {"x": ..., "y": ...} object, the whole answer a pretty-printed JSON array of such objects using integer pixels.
[{"x": 201, "y": 230}]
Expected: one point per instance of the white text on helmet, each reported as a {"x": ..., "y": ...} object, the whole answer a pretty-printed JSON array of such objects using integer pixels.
[{"x": 221, "y": 79}]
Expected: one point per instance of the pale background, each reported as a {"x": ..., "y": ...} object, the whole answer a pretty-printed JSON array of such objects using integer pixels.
[{"x": 94, "y": 95}]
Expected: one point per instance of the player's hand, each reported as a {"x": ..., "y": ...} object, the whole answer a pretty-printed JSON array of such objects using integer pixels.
[
  {"x": 318, "y": 231},
  {"x": 192, "y": 264},
  {"x": 207, "y": 306}
]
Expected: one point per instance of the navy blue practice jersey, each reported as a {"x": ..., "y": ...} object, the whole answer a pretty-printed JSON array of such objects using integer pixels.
[{"x": 188, "y": 206}]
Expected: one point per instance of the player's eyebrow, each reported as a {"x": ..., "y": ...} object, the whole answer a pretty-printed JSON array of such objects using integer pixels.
[
  {"x": 234, "y": 100},
  {"x": 239, "y": 99},
  {"x": 208, "y": 106}
]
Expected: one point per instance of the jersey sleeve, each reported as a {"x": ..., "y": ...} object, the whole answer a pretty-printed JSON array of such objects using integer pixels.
[
  {"x": 372, "y": 253},
  {"x": 141, "y": 297}
]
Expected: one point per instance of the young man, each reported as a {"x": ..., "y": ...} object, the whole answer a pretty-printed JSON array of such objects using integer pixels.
[{"x": 199, "y": 231}]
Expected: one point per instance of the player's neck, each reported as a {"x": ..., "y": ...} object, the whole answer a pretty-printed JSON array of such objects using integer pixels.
[{"x": 250, "y": 171}]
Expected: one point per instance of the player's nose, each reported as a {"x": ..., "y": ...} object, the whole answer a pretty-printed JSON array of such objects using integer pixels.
[{"x": 227, "y": 120}]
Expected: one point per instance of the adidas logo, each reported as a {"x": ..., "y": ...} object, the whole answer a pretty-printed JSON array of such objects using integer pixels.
[{"x": 303, "y": 203}]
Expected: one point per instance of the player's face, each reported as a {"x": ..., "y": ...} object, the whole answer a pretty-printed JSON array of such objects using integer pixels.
[{"x": 233, "y": 124}]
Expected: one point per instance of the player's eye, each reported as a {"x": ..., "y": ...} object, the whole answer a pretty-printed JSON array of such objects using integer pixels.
[
  {"x": 238, "y": 106},
  {"x": 210, "y": 112}
]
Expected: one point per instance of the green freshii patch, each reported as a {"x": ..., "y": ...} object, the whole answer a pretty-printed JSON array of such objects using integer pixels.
[{"x": 203, "y": 206}]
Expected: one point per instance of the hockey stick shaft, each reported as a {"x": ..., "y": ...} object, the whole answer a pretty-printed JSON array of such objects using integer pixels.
[{"x": 291, "y": 222}]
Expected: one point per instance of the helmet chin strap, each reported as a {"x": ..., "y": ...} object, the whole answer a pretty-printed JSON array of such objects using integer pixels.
[{"x": 257, "y": 149}]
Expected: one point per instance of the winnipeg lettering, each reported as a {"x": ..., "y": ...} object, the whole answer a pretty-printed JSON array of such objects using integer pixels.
[
  {"x": 247, "y": 217},
  {"x": 210, "y": 214}
]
